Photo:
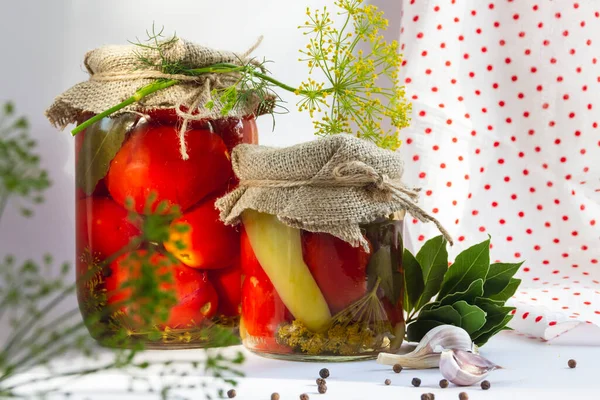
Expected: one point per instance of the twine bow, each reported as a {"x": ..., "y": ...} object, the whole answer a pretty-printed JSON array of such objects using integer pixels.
[{"x": 358, "y": 174}]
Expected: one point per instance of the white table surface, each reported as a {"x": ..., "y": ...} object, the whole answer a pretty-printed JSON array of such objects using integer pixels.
[{"x": 533, "y": 370}]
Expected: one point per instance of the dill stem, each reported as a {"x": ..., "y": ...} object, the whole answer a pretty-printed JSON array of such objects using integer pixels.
[
  {"x": 47, "y": 328},
  {"x": 222, "y": 68},
  {"x": 32, "y": 355},
  {"x": 3, "y": 201},
  {"x": 137, "y": 96}
]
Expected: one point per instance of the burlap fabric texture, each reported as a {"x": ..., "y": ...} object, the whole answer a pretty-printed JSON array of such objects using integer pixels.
[
  {"x": 333, "y": 185},
  {"x": 116, "y": 73}
]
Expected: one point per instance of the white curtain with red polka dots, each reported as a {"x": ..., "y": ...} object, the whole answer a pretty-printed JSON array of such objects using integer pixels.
[{"x": 505, "y": 141}]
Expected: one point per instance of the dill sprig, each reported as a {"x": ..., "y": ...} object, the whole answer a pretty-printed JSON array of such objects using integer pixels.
[
  {"x": 21, "y": 176},
  {"x": 361, "y": 93},
  {"x": 365, "y": 86}
]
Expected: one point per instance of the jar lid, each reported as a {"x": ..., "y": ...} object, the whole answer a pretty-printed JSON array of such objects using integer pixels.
[
  {"x": 116, "y": 73},
  {"x": 334, "y": 185}
]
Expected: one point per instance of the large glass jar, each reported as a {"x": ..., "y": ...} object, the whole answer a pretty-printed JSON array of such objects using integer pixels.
[
  {"x": 126, "y": 166},
  {"x": 311, "y": 296}
]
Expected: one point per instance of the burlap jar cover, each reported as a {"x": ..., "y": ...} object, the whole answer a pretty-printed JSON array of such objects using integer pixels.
[
  {"x": 332, "y": 185},
  {"x": 117, "y": 72}
]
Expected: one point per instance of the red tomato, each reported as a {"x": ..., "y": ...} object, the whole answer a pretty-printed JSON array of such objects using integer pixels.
[
  {"x": 262, "y": 308},
  {"x": 228, "y": 284},
  {"x": 196, "y": 297},
  {"x": 150, "y": 162},
  {"x": 235, "y": 130},
  {"x": 209, "y": 243},
  {"x": 103, "y": 226},
  {"x": 248, "y": 261},
  {"x": 339, "y": 269}
]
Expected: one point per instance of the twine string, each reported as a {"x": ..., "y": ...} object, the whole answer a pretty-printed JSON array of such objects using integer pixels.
[{"x": 359, "y": 174}]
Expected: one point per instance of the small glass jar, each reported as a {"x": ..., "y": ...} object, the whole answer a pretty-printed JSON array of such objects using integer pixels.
[
  {"x": 121, "y": 163},
  {"x": 311, "y": 297}
]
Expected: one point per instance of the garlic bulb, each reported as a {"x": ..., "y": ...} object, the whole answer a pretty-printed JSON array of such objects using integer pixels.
[
  {"x": 464, "y": 368},
  {"x": 427, "y": 353}
]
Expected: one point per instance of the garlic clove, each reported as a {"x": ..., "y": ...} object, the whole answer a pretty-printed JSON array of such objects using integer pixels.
[
  {"x": 445, "y": 337},
  {"x": 464, "y": 368},
  {"x": 427, "y": 352}
]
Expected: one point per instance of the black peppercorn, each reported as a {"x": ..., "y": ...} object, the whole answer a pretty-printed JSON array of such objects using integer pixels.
[
  {"x": 444, "y": 383},
  {"x": 303, "y": 396},
  {"x": 485, "y": 385},
  {"x": 416, "y": 382},
  {"x": 274, "y": 396},
  {"x": 231, "y": 393},
  {"x": 425, "y": 396},
  {"x": 388, "y": 382},
  {"x": 463, "y": 396},
  {"x": 324, "y": 373},
  {"x": 572, "y": 363},
  {"x": 321, "y": 381},
  {"x": 322, "y": 388},
  {"x": 397, "y": 368}
]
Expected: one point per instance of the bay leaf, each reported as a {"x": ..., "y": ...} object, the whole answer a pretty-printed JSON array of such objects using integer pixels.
[
  {"x": 499, "y": 276},
  {"x": 472, "y": 318},
  {"x": 470, "y": 265},
  {"x": 474, "y": 290},
  {"x": 495, "y": 314},
  {"x": 101, "y": 143},
  {"x": 433, "y": 259},
  {"x": 444, "y": 314},
  {"x": 381, "y": 266},
  {"x": 413, "y": 281},
  {"x": 419, "y": 328},
  {"x": 429, "y": 319},
  {"x": 483, "y": 338},
  {"x": 508, "y": 291}
]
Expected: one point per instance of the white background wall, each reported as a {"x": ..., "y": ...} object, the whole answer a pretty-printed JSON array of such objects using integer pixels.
[{"x": 43, "y": 43}]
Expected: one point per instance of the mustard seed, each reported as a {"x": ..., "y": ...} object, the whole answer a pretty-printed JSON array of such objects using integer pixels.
[
  {"x": 485, "y": 385},
  {"x": 322, "y": 389},
  {"x": 572, "y": 363},
  {"x": 444, "y": 383},
  {"x": 463, "y": 396},
  {"x": 321, "y": 381},
  {"x": 231, "y": 393},
  {"x": 388, "y": 382},
  {"x": 303, "y": 396},
  {"x": 397, "y": 368},
  {"x": 274, "y": 396}
]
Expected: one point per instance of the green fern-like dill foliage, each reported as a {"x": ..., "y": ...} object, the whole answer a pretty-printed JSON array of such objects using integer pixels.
[
  {"x": 21, "y": 176},
  {"x": 363, "y": 85}
]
